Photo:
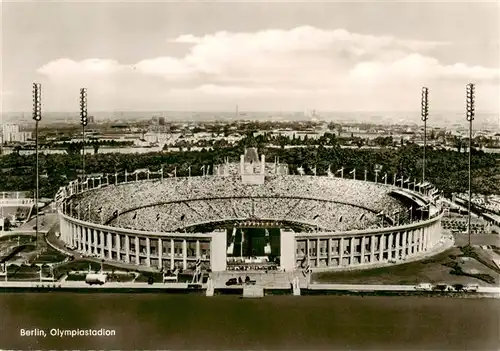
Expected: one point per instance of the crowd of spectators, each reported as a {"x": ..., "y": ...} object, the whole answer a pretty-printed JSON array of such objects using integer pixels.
[
  {"x": 491, "y": 203},
  {"x": 329, "y": 203}
]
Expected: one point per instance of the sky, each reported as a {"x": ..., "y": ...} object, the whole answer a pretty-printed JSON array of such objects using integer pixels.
[{"x": 281, "y": 56}]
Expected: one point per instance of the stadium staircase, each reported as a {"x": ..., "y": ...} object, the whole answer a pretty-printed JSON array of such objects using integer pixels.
[{"x": 270, "y": 280}]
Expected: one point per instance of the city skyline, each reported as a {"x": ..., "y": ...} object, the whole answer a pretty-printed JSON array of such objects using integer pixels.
[{"x": 262, "y": 56}]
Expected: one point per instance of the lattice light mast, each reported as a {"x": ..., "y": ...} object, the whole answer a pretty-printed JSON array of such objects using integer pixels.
[
  {"x": 425, "y": 116},
  {"x": 83, "y": 122},
  {"x": 470, "y": 108},
  {"x": 37, "y": 116}
]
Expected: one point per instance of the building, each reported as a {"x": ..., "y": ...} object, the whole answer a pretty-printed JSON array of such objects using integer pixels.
[
  {"x": 11, "y": 133},
  {"x": 244, "y": 214},
  {"x": 158, "y": 120}
]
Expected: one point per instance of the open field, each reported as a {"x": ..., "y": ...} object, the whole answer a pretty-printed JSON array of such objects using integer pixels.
[{"x": 434, "y": 270}]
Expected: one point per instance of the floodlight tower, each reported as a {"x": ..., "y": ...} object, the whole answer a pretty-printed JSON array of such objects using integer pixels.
[
  {"x": 37, "y": 116},
  {"x": 425, "y": 116},
  {"x": 470, "y": 89},
  {"x": 83, "y": 121}
]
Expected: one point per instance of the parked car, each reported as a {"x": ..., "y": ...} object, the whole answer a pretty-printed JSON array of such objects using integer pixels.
[
  {"x": 424, "y": 287},
  {"x": 95, "y": 278},
  {"x": 232, "y": 281},
  {"x": 471, "y": 287},
  {"x": 440, "y": 287}
]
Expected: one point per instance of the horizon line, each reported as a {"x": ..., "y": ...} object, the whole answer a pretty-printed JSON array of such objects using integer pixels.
[{"x": 251, "y": 111}]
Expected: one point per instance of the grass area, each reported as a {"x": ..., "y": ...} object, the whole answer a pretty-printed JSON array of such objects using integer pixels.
[
  {"x": 12, "y": 241},
  {"x": 480, "y": 256},
  {"x": 83, "y": 265},
  {"x": 438, "y": 269},
  {"x": 49, "y": 256},
  {"x": 13, "y": 238},
  {"x": 477, "y": 239},
  {"x": 23, "y": 273}
]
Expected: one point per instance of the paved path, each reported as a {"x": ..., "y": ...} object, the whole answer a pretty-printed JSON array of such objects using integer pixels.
[
  {"x": 495, "y": 291},
  {"x": 83, "y": 285}
]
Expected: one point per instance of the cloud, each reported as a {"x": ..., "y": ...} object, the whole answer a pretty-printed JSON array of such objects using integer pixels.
[
  {"x": 319, "y": 66},
  {"x": 5, "y": 93}
]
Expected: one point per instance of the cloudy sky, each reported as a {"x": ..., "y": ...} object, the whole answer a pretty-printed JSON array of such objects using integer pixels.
[{"x": 262, "y": 56}]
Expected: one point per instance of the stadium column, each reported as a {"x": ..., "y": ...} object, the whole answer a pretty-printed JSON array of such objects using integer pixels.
[
  {"x": 341, "y": 251},
  {"x": 95, "y": 241},
  {"x": 287, "y": 250},
  {"x": 410, "y": 242},
  {"x": 172, "y": 259},
  {"x": 372, "y": 248},
  {"x": 362, "y": 259},
  {"x": 88, "y": 240},
  {"x": 397, "y": 247},
  {"x": 421, "y": 236},
  {"x": 391, "y": 244},
  {"x": 428, "y": 235},
  {"x": 352, "y": 240},
  {"x": 405, "y": 242},
  {"x": 103, "y": 256},
  {"x": 137, "y": 248},
  {"x": 381, "y": 245},
  {"x": 218, "y": 251},
  {"x": 184, "y": 254},
  {"x": 74, "y": 232},
  {"x": 118, "y": 247},
  {"x": 160, "y": 253},
  {"x": 415, "y": 240},
  {"x": 198, "y": 248},
  {"x": 127, "y": 248},
  {"x": 80, "y": 238},
  {"x": 83, "y": 232},
  {"x": 436, "y": 233},
  {"x": 329, "y": 253},
  {"x": 66, "y": 234},
  {"x": 110, "y": 246},
  {"x": 148, "y": 253},
  {"x": 318, "y": 253}
]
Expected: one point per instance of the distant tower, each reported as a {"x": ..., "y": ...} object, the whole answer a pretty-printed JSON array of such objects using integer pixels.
[{"x": 236, "y": 113}]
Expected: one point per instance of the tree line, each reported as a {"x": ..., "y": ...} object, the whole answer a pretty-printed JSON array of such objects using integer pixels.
[{"x": 447, "y": 169}]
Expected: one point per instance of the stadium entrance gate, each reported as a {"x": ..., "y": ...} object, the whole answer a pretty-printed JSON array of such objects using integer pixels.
[{"x": 253, "y": 249}]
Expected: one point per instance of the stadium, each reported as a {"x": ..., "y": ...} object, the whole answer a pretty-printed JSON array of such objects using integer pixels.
[{"x": 250, "y": 216}]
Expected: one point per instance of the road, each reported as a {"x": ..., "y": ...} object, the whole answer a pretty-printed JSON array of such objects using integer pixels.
[{"x": 495, "y": 291}]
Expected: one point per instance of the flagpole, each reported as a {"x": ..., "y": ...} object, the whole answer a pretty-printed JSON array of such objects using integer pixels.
[
  {"x": 37, "y": 116},
  {"x": 241, "y": 244},
  {"x": 424, "y": 116},
  {"x": 470, "y": 117}
]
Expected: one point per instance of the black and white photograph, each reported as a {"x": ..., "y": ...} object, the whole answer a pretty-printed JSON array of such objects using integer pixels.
[{"x": 249, "y": 175}]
